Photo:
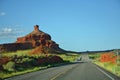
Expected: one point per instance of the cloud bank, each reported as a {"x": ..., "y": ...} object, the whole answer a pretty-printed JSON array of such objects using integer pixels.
[{"x": 8, "y": 33}]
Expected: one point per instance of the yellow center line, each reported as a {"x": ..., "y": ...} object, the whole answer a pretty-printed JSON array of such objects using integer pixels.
[{"x": 59, "y": 74}]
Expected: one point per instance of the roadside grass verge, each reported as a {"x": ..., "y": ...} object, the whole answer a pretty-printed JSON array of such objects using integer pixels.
[
  {"x": 4, "y": 75},
  {"x": 26, "y": 57},
  {"x": 113, "y": 68},
  {"x": 10, "y": 74}
]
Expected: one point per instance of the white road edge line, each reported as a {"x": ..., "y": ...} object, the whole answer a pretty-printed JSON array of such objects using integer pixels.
[{"x": 105, "y": 73}]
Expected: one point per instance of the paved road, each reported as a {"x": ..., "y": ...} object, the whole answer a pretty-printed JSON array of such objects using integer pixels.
[{"x": 83, "y": 70}]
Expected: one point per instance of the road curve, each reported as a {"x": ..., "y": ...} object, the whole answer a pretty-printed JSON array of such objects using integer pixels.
[{"x": 84, "y": 70}]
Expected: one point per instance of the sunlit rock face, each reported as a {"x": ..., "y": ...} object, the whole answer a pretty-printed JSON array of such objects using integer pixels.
[{"x": 37, "y": 38}]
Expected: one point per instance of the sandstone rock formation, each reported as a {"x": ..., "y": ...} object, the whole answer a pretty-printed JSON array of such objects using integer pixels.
[{"x": 36, "y": 38}]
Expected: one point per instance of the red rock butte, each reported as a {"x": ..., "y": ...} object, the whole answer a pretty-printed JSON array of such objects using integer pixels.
[
  {"x": 34, "y": 39},
  {"x": 37, "y": 38}
]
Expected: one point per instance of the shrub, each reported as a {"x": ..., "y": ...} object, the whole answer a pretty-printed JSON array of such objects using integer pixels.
[
  {"x": 43, "y": 61},
  {"x": 108, "y": 57},
  {"x": 49, "y": 60},
  {"x": 1, "y": 68},
  {"x": 34, "y": 62},
  {"x": 55, "y": 59},
  {"x": 10, "y": 66},
  {"x": 4, "y": 60}
]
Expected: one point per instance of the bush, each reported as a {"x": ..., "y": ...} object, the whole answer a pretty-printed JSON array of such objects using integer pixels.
[
  {"x": 92, "y": 57},
  {"x": 4, "y": 60},
  {"x": 49, "y": 60},
  {"x": 55, "y": 59},
  {"x": 34, "y": 62},
  {"x": 1, "y": 68},
  {"x": 43, "y": 61},
  {"x": 108, "y": 57},
  {"x": 10, "y": 66}
]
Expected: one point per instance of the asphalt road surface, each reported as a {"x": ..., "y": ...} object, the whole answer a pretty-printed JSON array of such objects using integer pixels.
[{"x": 81, "y": 70}]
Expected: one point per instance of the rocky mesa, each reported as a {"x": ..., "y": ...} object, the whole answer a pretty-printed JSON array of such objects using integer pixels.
[{"x": 37, "y": 39}]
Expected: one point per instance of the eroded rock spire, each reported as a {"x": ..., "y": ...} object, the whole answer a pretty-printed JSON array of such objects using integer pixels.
[{"x": 36, "y": 28}]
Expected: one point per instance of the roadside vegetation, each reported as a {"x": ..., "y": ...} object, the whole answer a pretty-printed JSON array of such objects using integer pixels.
[
  {"x": 69, "y": 57},
  {"x": 109, "y": 61},
  {"x": 21, "y": 62}
]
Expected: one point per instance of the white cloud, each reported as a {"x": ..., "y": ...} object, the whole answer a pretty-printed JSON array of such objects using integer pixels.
[
  {"x": 2, "y": 13},
  {"x": 9, "y": 32}
]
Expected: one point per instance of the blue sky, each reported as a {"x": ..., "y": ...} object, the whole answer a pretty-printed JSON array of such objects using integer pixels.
[{"x": 77, "y": 25}]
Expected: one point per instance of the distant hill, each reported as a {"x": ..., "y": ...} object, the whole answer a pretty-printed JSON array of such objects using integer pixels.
[{"x": 97, "y": 51}]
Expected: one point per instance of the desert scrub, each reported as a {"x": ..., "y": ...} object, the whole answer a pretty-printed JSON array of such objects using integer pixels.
[
  {"x": 21, "y": 62},
  {"x": 71, "y": 57},
  {"x": 110, "y": 62},
  {"x": 10, "y": 66},
  {"x": 19, "y": 65},
  {"x": 94, "y": 55}
]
